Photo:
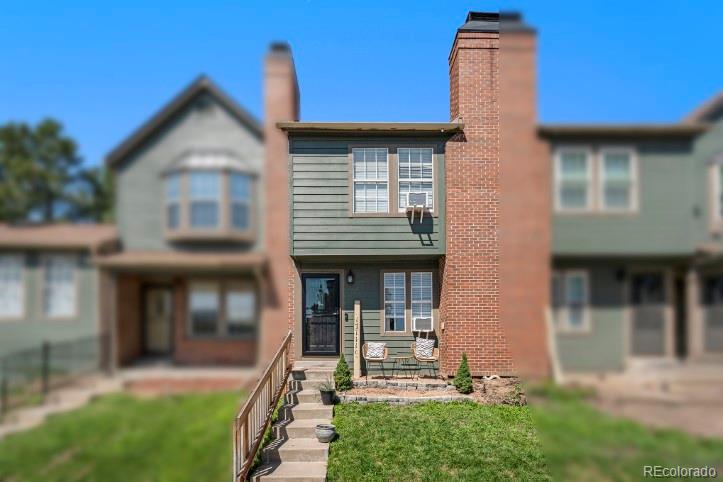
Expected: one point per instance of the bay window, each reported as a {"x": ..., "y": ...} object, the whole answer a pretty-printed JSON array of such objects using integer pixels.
[
  {"x": 204, "y": 198},
  {"x": 240, "y": 198},
  {"x": 173, "y": 201}
]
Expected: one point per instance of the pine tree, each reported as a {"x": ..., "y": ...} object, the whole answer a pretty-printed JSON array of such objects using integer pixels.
[
  {"x": 463, "y": 379},
  {"x": 342, "y": 375}
]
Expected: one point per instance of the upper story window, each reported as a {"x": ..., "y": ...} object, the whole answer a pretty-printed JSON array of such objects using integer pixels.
[
  {"x": 573, "y": 180},
  {"x": 595, "y": 181},
  {"x": 12, "y": 287},
  {"x": 617, "y": 179},
  {"x": 59, "y": 286},
  {"x": 716, "y": 197},
  {"x": 209, "y": 195},
  {"x": 204, "y": 196},
  {"x": 416, "y": 174},
  {"x": 370, "y": 168}
]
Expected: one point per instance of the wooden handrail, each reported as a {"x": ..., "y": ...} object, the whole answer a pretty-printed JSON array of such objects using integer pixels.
[{"x": 254, "y": 417}]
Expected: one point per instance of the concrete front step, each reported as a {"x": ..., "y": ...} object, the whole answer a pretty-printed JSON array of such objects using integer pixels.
[
  {"x": 299, "y": 450},
  {"x": 292, "y": 472},
  {"x": 304, "y": 428},
  {"x": 321, "y": 374},
  {"x": 306, "y": 411},
  {"x": 308, "y": 396},
  {"x": 306, "y": 384}
]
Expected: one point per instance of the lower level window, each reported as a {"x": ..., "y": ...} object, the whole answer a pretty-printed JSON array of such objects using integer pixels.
[
  {"x": 221, "y": 309},
  {"x": 570, "y": 294},
  {"x": 11, "y": 286},
  {"x": 59, "y": 288},
  {"x": 394, "y": 301},
  {"x": 422, "y": 301}
]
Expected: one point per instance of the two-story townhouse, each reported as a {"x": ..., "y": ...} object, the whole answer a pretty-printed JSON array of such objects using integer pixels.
[
  {"x": 635, "y": 229},
  {"x": 399, "y": 222}
]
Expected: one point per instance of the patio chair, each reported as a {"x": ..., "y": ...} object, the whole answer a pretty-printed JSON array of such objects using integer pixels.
[
  {"x": 428, "y": 360},
  {"x": 370, "y": 360}
]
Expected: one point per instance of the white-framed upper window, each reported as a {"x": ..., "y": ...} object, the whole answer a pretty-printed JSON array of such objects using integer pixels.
[
  {"x": 570, "y": 300},
  {"x": 59, "y": 286},
  {"x": 12, "y": 286},
  {"x": 205, "y": 199},
  {"x": 717, "y": 185},
  {"x": 421, "y": 301},
  {"x": 573, "y": 179},
  {"x": 172, "y": 185},
  {"x": 394, "y": 302},
  {"x": 618, "y": 179},
  {"x": 416, "y": 174},
  {"x": 240, "y": 199},
  {"x": 370, "y": 172},
  {"x": 240, "y": 309}
]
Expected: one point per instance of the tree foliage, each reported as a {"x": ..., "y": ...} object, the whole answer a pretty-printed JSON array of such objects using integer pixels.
[{"x": 42, "y": 178}]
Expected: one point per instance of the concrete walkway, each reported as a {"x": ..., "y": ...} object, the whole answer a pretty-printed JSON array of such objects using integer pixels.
[
  {"x": 671, "y": 394},
  {"x": 296, "y": 454}
]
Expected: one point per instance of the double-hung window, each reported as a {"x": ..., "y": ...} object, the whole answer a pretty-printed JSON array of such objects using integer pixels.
[
  {"x": 240, "y": 309},
  {"x": 12, "y": 292},
  {"x": 173, "y": 200},
  {"x": 59, "y": 286},
  {"x": 394, "y": 302},
  {"x": 573, "y": 177},
  {"x": 421, "y": 287},
  {"x": 617, "y": 180},
  {"x": 205, "y": 195},
  {"x": 370, "y": 170},
  {"x": 204, "y": 308},
  {"x": 570, "y": 295},
  {"x": 415, "y": 174},
  {"x": 240, "y": 197},
  {"x": 716, "y": 171}
]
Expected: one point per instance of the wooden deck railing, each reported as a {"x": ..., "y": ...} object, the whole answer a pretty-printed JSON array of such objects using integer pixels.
[{"x": 255, "y": 416}]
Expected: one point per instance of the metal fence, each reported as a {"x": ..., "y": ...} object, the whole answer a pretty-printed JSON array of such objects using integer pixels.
[{"x": 27, "y": 377}]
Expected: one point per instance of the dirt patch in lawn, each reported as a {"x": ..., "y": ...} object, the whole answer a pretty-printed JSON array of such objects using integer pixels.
[{"x": 499, "y": 391}]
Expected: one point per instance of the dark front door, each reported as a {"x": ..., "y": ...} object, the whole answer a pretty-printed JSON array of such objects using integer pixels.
[
  {"x": 649, "y": 305},
  {"x": 321, "y": 314}
]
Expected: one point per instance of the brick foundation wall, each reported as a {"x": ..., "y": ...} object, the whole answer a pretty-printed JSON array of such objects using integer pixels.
[
  {"x": 281, "y": 103},
  {"x": 525, "y": 208},
  {"x": 470, "y": 298}
]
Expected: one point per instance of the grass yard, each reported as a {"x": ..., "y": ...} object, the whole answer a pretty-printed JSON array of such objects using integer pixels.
[
  {"x": 123, "y": 438},
  {"x": 580, "y": 443},
  {"x": 435, "y": 441}
]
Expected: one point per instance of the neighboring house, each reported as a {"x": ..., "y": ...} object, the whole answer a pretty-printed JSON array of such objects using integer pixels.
[
  {"x": 48, "y": 283},
  {"x": 637, "y": 273},
  {"x": 402, "y": 218}
]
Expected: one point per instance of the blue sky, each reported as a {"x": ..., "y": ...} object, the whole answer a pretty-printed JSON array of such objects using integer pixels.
[{"x": 104, "y": 69}]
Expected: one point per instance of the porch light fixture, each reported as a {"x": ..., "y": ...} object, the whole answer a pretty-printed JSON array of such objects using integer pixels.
[{"x": 350, "y": 277}]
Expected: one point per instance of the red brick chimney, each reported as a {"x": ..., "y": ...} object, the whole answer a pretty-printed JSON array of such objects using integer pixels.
[
  {"x": 281, "y": 103},
  {"x": 470, "y": 301},
  {"x": 525, "y": 203}
]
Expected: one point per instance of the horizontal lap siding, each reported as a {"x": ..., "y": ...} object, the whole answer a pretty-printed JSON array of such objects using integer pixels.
[{"x": 320, "y": 205}]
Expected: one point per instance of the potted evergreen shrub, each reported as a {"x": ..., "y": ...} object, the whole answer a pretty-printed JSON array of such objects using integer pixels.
[
  {"x": 463, "y": 378},
  {"x": 327, "y": 392}
]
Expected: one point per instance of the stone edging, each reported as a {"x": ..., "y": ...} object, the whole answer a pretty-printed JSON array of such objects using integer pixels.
[
  {"x": 396, "y": 400},
  {"x": 404, "y": 385}
]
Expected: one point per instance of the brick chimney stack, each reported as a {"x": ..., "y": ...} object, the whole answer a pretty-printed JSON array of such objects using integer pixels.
[
  {"x": 470, "y": 301},
  {"x": 525, "y": 203},
  {"x": 281, "y": 103}
]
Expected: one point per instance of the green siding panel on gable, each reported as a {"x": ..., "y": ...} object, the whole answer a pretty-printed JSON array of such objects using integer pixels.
[{"x": 321, "y": 223}]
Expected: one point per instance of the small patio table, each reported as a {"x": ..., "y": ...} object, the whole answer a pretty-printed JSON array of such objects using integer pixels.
[{"x": 401, "y": 363}]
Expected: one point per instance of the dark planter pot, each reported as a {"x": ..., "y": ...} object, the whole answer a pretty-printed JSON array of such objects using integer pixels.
[{"x": 327, "y": 396}]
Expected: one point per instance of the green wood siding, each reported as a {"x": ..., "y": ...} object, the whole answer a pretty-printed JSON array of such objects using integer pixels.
[
  {"x": 140, "y": 196},
  {"x": 321, "y": 223},
  {"x": 33, "y": 328},
  {"x": 602, "y": 348}
]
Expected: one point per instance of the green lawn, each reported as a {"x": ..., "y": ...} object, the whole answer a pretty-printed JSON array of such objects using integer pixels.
[
  {"x": 581, "y": 443},
  {"x": 126, "y": 439},
  {"x": 434, "y": 441}
]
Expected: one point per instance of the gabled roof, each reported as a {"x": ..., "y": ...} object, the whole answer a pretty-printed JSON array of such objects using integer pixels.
[
  {"x": 202, "y": 84},
  {"x": 708, "y": 111},
  {"x": 57, "y": 236}
]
